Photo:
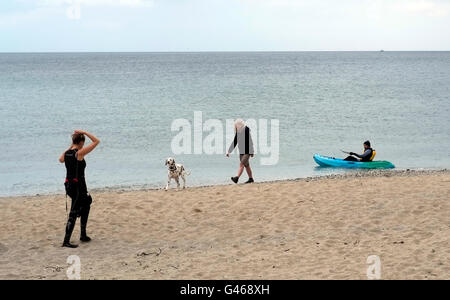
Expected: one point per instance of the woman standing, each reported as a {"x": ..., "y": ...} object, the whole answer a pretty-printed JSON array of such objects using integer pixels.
[
  {"x": 75, "y": 184},
  {"x": 244, "y": 141}
]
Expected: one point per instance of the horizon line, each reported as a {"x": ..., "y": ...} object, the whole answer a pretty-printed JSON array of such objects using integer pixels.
[{"x": 214, "y": 51}]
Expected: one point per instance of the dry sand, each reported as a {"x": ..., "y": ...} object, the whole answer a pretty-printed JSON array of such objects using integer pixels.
[{"x": 304, "y": 229}]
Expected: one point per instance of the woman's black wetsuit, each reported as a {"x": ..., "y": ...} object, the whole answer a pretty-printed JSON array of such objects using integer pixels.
[{"x": 76, "y": 189}]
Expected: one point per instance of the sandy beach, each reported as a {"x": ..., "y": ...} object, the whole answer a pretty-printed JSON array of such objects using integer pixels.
[{"x": 314, "y": 228}]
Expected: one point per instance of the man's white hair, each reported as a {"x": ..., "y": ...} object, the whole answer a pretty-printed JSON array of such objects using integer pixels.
[{"x": 239, "y": 124}]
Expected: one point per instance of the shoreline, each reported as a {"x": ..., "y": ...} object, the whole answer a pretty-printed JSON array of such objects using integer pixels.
[{"x": 349, "y": 174}]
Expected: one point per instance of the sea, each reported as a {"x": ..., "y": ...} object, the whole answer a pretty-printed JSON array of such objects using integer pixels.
[{"x": 295, "y": 103}]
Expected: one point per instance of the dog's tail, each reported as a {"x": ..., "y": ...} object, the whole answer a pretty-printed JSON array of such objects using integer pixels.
[{"x": 185, "y": 172}]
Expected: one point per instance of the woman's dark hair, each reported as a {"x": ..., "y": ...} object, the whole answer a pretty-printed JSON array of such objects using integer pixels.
[
  {"x": 78, "y": 138},
  {"x": 367, "y": 143}
]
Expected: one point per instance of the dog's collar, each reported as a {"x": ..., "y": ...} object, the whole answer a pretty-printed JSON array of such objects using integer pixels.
[{"x": 172, "y": 168}]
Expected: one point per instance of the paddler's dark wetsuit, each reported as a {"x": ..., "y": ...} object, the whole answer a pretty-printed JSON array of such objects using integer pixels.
[
  {"x": 367, "y": 156},
  {"x": 76, "y": 189}
]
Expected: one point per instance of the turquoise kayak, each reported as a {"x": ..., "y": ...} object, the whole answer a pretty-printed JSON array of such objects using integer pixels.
[{"x": 325, "y": 161}]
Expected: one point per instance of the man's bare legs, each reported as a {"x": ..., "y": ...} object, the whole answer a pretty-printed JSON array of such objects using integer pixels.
[
  {"x": 241, "y": 170},
  {"x": 249, "y": 171}
]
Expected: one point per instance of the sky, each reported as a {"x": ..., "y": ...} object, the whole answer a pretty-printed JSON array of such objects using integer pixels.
[{"x": 223, "y": 25}]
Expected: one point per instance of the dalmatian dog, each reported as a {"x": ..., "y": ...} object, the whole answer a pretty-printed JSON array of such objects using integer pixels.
[{"x": 175, "y": 171}]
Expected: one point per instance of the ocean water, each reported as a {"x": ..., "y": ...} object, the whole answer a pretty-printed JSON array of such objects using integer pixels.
[{"x": 324, "y": 101}]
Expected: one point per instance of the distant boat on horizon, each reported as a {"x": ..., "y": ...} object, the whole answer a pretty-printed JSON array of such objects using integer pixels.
[{"x": 381, "y": 50}]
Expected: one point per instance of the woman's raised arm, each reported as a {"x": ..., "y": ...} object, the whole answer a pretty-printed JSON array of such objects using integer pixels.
[{"x": 86, "y": 150}]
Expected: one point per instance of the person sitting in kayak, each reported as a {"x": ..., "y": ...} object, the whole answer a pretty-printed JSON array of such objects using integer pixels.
[{"x": 367, "y": 156}]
